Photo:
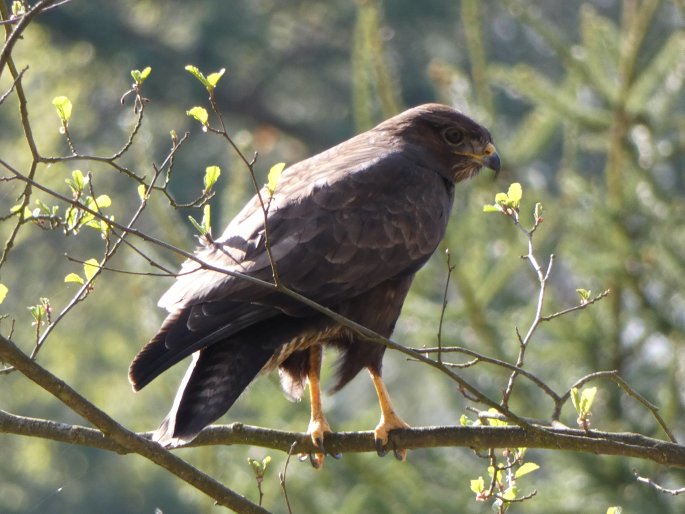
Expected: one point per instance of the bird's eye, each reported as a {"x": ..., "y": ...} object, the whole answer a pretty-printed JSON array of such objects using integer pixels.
[{"x": 452, "y": 135}]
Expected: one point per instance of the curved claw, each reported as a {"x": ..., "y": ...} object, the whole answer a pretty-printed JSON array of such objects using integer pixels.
[
  {"x": 316, "y": 460},
  {"x": 380, "y": 450},
  {"x": 400, "y": 454}
]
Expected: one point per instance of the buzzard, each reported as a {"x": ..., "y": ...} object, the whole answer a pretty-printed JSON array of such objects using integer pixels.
[{"x": 348, "y": 229}]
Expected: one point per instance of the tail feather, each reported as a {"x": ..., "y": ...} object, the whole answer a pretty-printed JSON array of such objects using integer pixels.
[{"x": 213, "y": 382}]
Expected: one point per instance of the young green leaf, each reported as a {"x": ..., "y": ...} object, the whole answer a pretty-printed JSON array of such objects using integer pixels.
[
  {"x": 478, "y": 485},
  {"x": 502, "y": 199},
  {"x": 18, "y": 8},
  {"x": 510, "y": 493},
  {"x": 584, "y": 295},
  {"x": 90, "y": 268},
  {"x": 211, "y": 176},
  {"x": 77, "y": 181},
  {"x": 206, "y": 220},
  {"x": 526, "y": 467},
  {"x": 575, "y": 399},
  {"x": 63, "y": 106},
  {"x": 259, "y": 467},
  {"x": 3, "y": 292},
  {"x": 140, "y": 76},
  {"x": 274, "y": 175},
  {"x": 195, "y": 72},
  {"x": 538, "y": 212},
  {"x": 200, "y": 114},
  {"x": 41, "y": 311},
  {"x": 514, "y": 195},
  {"x": 142, "y": 191},
  {"x": 17, "y": 208},
  {"x": 587, "y": 397},
  {"x": 492, "y": 208},
  {"x": 615, "y": 510},
  {"x": 213, "y": 78},
  {"x": 100, "y": 202},
  {"x": 197, "y": 226},
  {"x": 73, "y": 277}
]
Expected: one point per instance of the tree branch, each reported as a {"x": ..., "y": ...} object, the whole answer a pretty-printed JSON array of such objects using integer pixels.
[
  {"x": 122, "y": 440},
  {"x": 553, "y": 438}
]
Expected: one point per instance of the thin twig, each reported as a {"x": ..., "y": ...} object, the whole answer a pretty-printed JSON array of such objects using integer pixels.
[
  {"x": 613, "y": 375},
  {"x": 250, "y": 166},
  {"x": 282, "y": 477},
  {"x": 657, "y": 487},
  {"x": 450, "y": 269},
  {"x": 479, "y": 357}
]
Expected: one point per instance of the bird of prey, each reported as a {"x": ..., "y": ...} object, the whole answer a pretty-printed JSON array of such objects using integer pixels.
[{"x": 348, "y": 229}]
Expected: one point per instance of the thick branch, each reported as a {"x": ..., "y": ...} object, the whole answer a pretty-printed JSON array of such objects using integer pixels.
[
  {"x": 599, "y": 443},
  {"x": 122, "y": 439}
]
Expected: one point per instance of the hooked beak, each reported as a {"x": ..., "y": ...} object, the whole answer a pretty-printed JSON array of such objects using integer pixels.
[{"x": 490, "y": 158}]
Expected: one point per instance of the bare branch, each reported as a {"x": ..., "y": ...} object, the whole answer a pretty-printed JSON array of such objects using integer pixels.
[
  {"x": 125, "y": 440},
  {"x": 649, "y": 481},
  {"x": 553, "y": 438}
]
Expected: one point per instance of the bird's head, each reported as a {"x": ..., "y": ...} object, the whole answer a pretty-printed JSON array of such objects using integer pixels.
[{"x": 445, "y": 139}]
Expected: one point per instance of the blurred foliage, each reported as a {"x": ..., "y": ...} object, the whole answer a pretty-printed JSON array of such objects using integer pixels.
[{"x": 586, "y": 104}]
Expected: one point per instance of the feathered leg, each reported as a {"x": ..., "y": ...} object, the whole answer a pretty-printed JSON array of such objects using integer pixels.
[
  {"x": 389, "y": 418},
  {"x": 318, "y": 425}
]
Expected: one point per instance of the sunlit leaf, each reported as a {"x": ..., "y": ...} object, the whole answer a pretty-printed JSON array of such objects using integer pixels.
[
  {"x": 206, "y": 219},
  {"x": 538, "y": 211},
  {"x": 78, "y": 180},
  {"x": 575, "y": 399},
  {"x": 103, "y": 201},
  {"x": 3, "y": 292},
  {"x": 195, "y": 72},
  {"x": 211, "y": 176},
  {"x": 587, "y": 397},
  {"x": 526, "y": 467},
  {"x": 274, "y": 175},
  {"x": 615, "y": 510},
  {"x": 140, "y": 76},
  {"x": 26, "y": 211},
  {"x": 492, "y": 208},
  {"x": 584, "y": 295},
  {"x": 514, "y": 195},
  {"x": 18, "y": 8},
  {"x": 63, "y": 106},
  {"x": 90, "y": 268},
  {"x": 197, "y": 226},
  {"x": 510, "y": 493},
  {"x": 501, "y": 198},
  {"x": 73, "y": 277},
  {"x": 199, "y": 113},
  {"x": 478, "y": 485},
  {"x": 141, "y": 191},
  {"x": 213, "y": 78}
]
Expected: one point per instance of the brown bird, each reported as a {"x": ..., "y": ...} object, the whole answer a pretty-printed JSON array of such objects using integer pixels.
[{"x": 348, "y": 229}]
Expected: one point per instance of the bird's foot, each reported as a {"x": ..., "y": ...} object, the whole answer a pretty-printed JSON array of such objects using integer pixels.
[
  {"x": 381, "y": 435},
  {"x": 316, "y": 431}
]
